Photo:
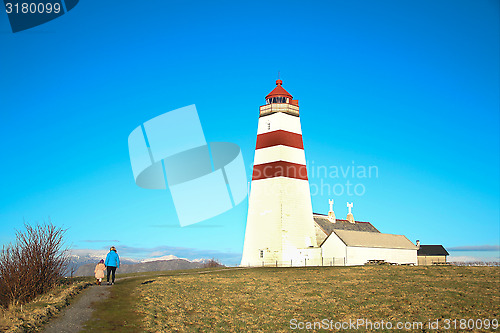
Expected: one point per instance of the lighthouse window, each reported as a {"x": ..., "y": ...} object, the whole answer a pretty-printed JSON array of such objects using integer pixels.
[
  {"x": 273, "y": 100},
  {"x": 262, "y": 253}
]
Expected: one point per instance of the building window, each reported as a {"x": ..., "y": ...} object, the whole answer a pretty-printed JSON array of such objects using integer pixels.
[{"x": 262, "y": 253}]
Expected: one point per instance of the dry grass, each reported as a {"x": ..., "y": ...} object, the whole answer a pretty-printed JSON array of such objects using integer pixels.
[
  {"x": 31, "y": 316},
  {"x": 266, "y": 299},
  {"x": 117, "y": 313}
]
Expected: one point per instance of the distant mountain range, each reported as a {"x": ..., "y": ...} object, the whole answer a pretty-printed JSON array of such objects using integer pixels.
[
  {"x": 83, "y": 262},
  {"x": 147, "y": 266}
]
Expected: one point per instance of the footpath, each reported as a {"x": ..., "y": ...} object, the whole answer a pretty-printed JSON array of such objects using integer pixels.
[{"x": 74, "y": 317}]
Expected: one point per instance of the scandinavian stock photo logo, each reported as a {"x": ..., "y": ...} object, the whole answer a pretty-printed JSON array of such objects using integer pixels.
[{"x": 171, "y": 150}]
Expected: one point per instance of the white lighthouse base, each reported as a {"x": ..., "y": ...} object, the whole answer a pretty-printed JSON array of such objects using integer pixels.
[{"x": 280, "y": 227}]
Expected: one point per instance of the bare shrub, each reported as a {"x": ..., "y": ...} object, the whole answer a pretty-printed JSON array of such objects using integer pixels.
[
  {"x": 33, "y": 265},
  {"x": 213, "y": 263}
]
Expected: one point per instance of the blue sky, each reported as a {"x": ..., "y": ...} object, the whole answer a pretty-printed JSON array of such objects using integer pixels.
[{"x": 410, "y": 87}]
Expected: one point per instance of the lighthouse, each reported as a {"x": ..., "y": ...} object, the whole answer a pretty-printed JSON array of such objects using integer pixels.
[{"x": 280, "y": 227}]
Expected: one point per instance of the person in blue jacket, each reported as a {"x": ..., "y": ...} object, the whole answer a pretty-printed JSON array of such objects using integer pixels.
[{"x": 112, "y": 263}]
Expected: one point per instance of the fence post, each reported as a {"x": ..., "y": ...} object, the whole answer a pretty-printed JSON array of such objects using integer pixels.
[
  {"x": 305, "y": 262},
  {"x": 291, "y": 263},
  {"x": 276, "y": 263}
]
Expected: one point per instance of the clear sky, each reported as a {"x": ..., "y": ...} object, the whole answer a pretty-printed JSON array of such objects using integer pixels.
[{"x": 410, "y": 88}]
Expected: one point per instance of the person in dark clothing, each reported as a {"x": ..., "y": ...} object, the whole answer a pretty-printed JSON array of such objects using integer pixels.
[{"x": 112, "y": 263}]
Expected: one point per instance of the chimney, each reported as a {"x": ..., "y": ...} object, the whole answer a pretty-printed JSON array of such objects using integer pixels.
[
  {"x": 418, "y": 244},
  {"x": 331, "y": 214},
  {"x": 350, "y": 217}
]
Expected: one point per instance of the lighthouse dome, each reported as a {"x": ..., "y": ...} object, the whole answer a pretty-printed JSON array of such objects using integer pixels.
[{"x": 278, "y": 95}]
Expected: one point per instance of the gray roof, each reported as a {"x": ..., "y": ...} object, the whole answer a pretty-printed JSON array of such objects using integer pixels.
[
  {"x": 432, "y": 250},
  {"x": 373, "y": 239},
  {"x": 324, "y": 223}
]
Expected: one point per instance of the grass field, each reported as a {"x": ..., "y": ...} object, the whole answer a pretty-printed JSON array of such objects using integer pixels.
[
  {"x": 267, "y": 299},
  {"x": 278, "y": 299}
]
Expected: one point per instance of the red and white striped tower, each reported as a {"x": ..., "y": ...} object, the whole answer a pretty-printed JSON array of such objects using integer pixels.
[{"x": 280, "y": 227}]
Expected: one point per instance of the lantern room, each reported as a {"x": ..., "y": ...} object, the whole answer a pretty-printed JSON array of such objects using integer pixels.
[{"x": 280, "y": 96}]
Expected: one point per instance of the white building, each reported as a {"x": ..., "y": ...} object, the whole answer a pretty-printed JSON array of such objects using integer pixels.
[
  {"x": 281, "y": 229},
  {"x": 356, "y": 243}
]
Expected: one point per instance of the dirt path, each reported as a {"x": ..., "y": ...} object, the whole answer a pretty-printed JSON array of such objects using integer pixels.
[{"x": 74, "y": 316}]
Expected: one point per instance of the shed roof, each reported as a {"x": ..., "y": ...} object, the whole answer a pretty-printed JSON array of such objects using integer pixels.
[
  {"x": 432, "y": 250},
  {"x": 374, "y": 239}
]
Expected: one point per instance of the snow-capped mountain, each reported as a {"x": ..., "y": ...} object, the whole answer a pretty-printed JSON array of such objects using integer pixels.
[
  {"x": 168, "y": 257},
  {"x": 81, "y": 257},
  {"x": 150, "y": 266}
]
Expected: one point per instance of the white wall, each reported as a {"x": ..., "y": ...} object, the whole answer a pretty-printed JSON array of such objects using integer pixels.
[
  {"x": 360, "y": 255},
  {"x": 333, "y": 247},
  {"x": 279, "y": 121},
  {"x": 279, "y": 153},
  {"x": 279, "y": 220},
  {"x": 333, "y": 251}
]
